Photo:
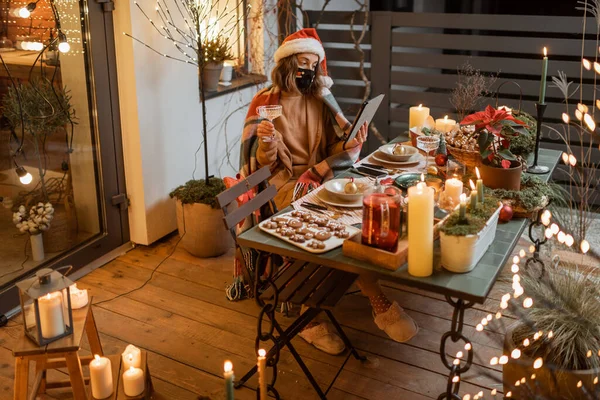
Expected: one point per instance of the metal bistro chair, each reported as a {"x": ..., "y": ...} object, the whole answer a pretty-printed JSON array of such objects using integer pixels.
[{"x": 298, "y": 282}]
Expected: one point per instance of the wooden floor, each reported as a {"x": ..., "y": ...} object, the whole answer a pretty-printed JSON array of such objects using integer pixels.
[{"x": 182, "y": 318}]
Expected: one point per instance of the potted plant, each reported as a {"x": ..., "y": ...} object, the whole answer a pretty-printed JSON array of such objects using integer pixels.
[
  {"x": 215, "y": 52},
  {"x": 465, "y": 237},
  {"x": 500, "y": 167},
  {"x": 566, "y": 302},
  {"x": 199, "y": 218},
  {"x": 34, "y": 223}
]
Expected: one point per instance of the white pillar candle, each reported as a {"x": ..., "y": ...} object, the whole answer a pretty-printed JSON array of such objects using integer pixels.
[
  {"x": 417, "y": 116},
  {"x": 453, "y": 189},
  {"x": 131, "y": 357},
  {"x": 444, "y": 124},
  {"x": 101, "y": 377},
  {"x": 420, "y": 230},
  {"x": 262, "y": 378},
  {"x": 79, "y": 298},
  {"x": 133, "y": 381},
  {"x": 52, "y": 322},
  {"x": 229, "y": 377}
]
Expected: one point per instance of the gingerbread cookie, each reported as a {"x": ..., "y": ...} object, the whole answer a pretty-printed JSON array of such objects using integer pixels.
[
  {"x": 297, "y": 238},
  {"x": 295, "y": 223},
  {"x": 322, "y": 235},
  {"x": 342, "y": 234},
  {"x": 322, "y": 221},
  {"x": 270, "y": 225},
  {"x": 308, "y": 236},
  {"x": 316, "y": 244}
]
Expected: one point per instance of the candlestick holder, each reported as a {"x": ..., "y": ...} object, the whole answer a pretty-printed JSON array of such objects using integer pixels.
[{"x": 535, "y": 168}]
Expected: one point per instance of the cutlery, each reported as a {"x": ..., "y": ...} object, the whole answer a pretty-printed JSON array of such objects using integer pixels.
[{"x": 313, "y": 209}]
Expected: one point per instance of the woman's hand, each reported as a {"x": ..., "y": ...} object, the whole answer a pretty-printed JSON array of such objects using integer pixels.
[
  {"x": 360, "y": 137},
  {"x": 265, "y": 131}
]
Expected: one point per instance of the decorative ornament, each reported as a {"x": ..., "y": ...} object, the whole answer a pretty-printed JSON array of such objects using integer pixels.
[
  {"x": 350, "y": 187},
  {"x": 506, "y": 213}
]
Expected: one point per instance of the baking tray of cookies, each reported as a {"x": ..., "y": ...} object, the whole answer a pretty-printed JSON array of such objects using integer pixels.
[{"x": 309, "y": 231}]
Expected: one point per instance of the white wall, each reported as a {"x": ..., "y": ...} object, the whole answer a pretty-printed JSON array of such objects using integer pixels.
[{"x": 161, "y": 120}]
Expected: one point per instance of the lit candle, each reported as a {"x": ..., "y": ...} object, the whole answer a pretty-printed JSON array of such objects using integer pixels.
[
  {"x": 79, "y": 298},
  {"x": 462, "y": 214},
  {"x": 417, "y": 116},
  {"x": 544, "y": 75},
  {"x": 473, "y": 195},
  {"x": 131, "y": 357},
  {"x": 420, "y": 230},
  {"x": 229, "y": 377},
  {"x": 444, "y": 124},
  {"x": 262, "y": 378},
  {"x": 52, "y": 322},
  {"x": 479, "y": 186},
  {"x": 133, "y": 382},
  {"x": 453, "y": 189},
  {"x": 101, "y": 377}
]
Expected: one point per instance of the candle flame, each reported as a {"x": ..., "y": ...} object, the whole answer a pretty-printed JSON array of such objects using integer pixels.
[
  {"x": 445, "y": 118},
  {"x": 463, "y": 197},
  {"x": 132, "y": 368},
  {"x": 96, "y": 356},
  {"x": 472, "y": 184},
  {"x": 422, "y": 178},
  {"x": 477, "y": 172},
  {"x": 228, "y": 367},
  {"x": 48, "y": 296},
  {"x": 262, "y": 353},
  {"x": 545, "y": 52},
  {"x": 420, "y": 106}
]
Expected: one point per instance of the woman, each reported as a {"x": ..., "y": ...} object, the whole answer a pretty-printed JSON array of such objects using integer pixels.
[{"x": 305, "y": 147}]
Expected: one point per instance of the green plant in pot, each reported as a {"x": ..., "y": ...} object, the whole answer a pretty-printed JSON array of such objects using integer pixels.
[
  {"x": 500, "y": 168},
  {"x": 215, "y": 52},
  {"x": 199, "y": 218},
  {"x": 566, "y": 303}
]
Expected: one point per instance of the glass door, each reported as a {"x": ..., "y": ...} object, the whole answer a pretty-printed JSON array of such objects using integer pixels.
[{"x": 61, "y": 170}]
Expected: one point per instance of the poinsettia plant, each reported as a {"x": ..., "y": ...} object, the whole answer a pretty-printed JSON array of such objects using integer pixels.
[{"x": 494, "y": 140}]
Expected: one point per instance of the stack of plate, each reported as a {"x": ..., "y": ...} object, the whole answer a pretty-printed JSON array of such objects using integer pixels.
[
  {"x": 407, "y": 156},
  {"x": 334, "y": 194}
]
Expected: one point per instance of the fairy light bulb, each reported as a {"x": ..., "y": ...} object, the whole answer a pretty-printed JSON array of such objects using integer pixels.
[
  {"x": 595, "y": 380},
  {"x": 484, "y": 321},
  {"x": 498, "y": 315},
  {"x": 24, "y": 13},
  {"x": 456, "y": 379},
  {"x": 24, "y": 176},
  {"x": 548, "y": 233},
  {"x": 516, "y": 353},
  {"x": 504, "y": 305},
  {"x": 516, "y": 260},
  {"x": 493, "y": 392},
  {"x": 522, "y": 253},
  {"x": 537, "y": 364},
  {"x": 572, "y": 160},
  {"x": 466, "y": 397},
  {"x": 519, "y": 291},
  {"x": 516, "y": 278},
  {"x": 569, "y": 240},
  {"x": 468, "y": 346},
  {"x": 555, "y": 229},
  {"x": 550, "y": 335},
  {"x": 582, "y": 107},
  {"x": 565, "y": 118},
  {"x": 503, "y": 360},
  {"x": 579, "y": 114},
  {"x": 505, "y": 297},
  {"x": 459, "y": 354},
  {"x": 589, "y": 353},
  {"x": 489, "y": 317},
  {"x": 561, "y": 237},
  {"x": 586, "y": 63},
  {"x": 64, "y": 47},
  {"x": 494, "y": 361},
  {"x": 565, "y": 158},
  {"x": 533, "y": 376},
  {"x": 589, "y": 121},
  {"x": 479, "y": 327},
  {"x": 528, "y": 302},
  {"x": 514, "y": 268},
  {"x": 579, "y": 384},
  {"x": 585, "y": 247},
  {"x": 526, "y": 343}
]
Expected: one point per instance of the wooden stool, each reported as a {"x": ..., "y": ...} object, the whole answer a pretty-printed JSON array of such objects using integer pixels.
[{"x": 59, "y": 354}]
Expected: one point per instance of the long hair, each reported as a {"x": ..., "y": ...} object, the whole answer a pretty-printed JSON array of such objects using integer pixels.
[{"x": 284, "y": 76}]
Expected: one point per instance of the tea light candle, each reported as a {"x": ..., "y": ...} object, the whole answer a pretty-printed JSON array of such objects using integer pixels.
[
  {"x": 131, "y": 357},
  {"x": 444, "y": 124},
  {"x": 133, "y": 381},
  {"x": 79, "y": 298},
  {"x": 262, "y": 379},
  {"x": 479, "y": 186},
  {"x": 229, "y": 377},
  {"x": 52, "y": 322},
  {"x": 420, "y": 230},
  {"x": 417, "y": 116},
  {"x": 101, "y": 377},
  {"x": 473, "y": 195},
  {"x": 462, "y": 213},
  {"x": 453, "y": 189}
]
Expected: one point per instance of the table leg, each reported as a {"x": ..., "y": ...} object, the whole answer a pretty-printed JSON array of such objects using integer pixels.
[
  {"x": 76, "y": 376},
  {"x": 40, "y": 368},
  {"x": 21, "y": 377},
  {"x": 455, "y": 334}
]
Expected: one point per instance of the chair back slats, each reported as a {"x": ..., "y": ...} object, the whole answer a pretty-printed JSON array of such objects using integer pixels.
[
  {"x": 309, "y": 286},
  {"x": 232, "y": 219},
  {"x": 284, "y": 278},
  {"x": 239, "y": 189},
  {"x": 325, "y": 288},
  {"x": 338, "y": 292},
  {"x": 299, "y": 281}
]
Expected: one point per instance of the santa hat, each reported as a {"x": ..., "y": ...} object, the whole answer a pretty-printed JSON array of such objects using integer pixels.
[{"x": 304, "y": 41}]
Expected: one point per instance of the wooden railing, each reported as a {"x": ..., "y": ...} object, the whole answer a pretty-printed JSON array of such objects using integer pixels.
[{"x": 413, "y": 58}]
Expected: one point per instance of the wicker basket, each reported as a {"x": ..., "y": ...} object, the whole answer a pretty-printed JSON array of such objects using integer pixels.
[{"x": 469, "y": 158}]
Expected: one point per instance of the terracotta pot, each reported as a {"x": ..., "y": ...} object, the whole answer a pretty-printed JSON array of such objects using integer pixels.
[
  {"x": 502, "y": 178},
  {"x": 204, "y": 233},
  {"x": 212, "y": 74},
  {"x": 546, "y": 387}
]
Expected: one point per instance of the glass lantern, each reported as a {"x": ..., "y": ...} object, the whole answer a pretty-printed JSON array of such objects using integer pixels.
[{"x": 46, "y": 306}]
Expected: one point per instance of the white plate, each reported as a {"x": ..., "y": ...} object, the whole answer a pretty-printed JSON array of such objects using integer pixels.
[
  {"x": 330, "y": 244},
  {"x": 327, "y": 198},
  {"x": 378, "y": 156},
  {"x": 388, "y": 151},
  {"x": 335, "y": 187}
]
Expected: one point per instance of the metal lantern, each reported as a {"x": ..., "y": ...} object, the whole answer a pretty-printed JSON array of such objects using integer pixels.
[{"x": 46, "y": 306}]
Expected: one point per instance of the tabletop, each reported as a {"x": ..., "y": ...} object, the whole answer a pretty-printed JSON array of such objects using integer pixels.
[{"x": 471, "y": 286}]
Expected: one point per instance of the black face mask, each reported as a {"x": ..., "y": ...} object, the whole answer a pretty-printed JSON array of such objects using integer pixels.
[{"x": 304, "y": 78}]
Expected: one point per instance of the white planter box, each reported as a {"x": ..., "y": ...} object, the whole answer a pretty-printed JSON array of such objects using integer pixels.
[{"x": 462, "y": 253}]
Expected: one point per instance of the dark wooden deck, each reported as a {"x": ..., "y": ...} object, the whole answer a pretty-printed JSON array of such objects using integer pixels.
[{"x": 182, "y": 318}]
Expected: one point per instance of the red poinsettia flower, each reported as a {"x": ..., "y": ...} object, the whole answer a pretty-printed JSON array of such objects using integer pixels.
[
  {"x": 505, "y": 164},
  {"x": 490, "y": 119}
]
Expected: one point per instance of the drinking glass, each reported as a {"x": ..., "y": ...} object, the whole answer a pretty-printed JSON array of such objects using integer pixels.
[
  {"x": 427, "y": 144},
  {"x": 269, "y": 113},
  {"x": 381, "y": 217}
]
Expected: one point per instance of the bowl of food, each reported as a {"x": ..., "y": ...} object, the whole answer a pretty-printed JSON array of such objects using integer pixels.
[
  {"x": 398, "y": 152},
  {"x": 346, "y": 189}
]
